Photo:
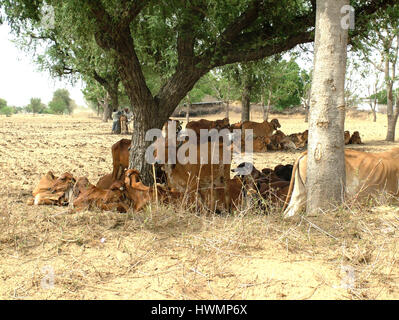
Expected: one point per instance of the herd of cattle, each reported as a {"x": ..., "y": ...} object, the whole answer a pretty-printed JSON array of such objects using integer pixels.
[{"x": 209, "y": 185}]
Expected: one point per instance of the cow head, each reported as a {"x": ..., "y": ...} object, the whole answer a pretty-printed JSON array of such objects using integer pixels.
[
  {"x": 136, "y": 190},
  {"x": 355, "y": 139},
  {"x": 64, "y": 185},
  {"x": 347, "y": 137},
  {"x": 222, "y": 124},
  {"x": 275, "y": 124},
  {"x": 81, "y": 184}
]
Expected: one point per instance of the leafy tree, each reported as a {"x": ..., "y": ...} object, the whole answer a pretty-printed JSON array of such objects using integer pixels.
[
  {"x": 61, "y": 102},
  {"x": 36, "y": 106},
  {"x": 180, "y": 40},
  {"x": 282, "y": 84},
  {"x": 5, "y": 109},
  {"x": 383, "y": 39}
]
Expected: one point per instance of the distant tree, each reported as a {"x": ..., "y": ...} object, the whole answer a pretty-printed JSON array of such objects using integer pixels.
[
  {"x": 36, "y": 106},
  {"x": 3, "y": 103},
  {"x": 282, "y": 83},
  {"x": 383, "y": 40},
  {"x": 5, "y": 109},
  {"x": 61, "y": 102}
]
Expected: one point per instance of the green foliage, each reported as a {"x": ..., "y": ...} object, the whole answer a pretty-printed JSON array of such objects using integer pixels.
[
  {"x": 4, "y": 109},
  {"x": 286, "y": 82},
  {"x": 202, "y": 88},
  {"x": 36, "y": 106},
  {"x": 282, "y": 82},
  {"x": 382, "y": 97},
  {"x": 61, "y": 102}
]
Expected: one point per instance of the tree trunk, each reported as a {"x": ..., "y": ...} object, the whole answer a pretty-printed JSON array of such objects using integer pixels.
[
  {"x": 306, "y": 112},
  {"x": 262, "y": 102},
  {"x": 392, "y": 118},
  {"x": 374, "y": 115},
  {"x": 107, "y": 108},
  {"x": 106, "y": 112},
  {"x": 326, "y": 161},
  {"x": 246, "y": 103},
  {"x": 142, "y": 122},
  {"x": 269, "y": 105},
  {"x": 188, "y": 112},
  {"x": 227, "y": 107}
]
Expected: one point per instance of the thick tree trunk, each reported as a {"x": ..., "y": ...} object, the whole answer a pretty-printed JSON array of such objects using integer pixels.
[
  {"x": 326, "y": 161},
  {"x": 246, "y": 102},
  {"x": 142, "y": 122},
  {"x": 107, "y": 113}
]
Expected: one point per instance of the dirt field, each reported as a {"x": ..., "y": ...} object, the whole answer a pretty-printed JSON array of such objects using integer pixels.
[{"x": 166, "y": 253}]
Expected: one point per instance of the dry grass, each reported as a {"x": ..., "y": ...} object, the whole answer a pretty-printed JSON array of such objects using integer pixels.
[{"x": 168, "y": 253}]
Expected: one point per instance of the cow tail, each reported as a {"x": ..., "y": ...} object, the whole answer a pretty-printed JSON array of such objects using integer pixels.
[{"x": 291, "y": 187}]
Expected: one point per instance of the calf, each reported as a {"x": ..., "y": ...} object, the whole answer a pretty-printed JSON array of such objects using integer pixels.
[
  {"x": 355, "y": 138},
  {"x": 347, "y": 137},
  {"x": 284, "y": 172},
  {"x": 203, "y": 174},
  {"x": 110, "y": 199},
  {"x": 262, "y": 129},
  {"x": 137, "y": 192},
  {"x": 52, "y": 190}
]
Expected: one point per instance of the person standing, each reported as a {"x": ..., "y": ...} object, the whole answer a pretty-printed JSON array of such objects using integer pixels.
[{"x": 116, "y": 125}]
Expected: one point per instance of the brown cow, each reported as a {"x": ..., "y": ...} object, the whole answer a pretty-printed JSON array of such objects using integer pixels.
[
  {"x": 265, "y": 184},
  {"x": 120, "y": 157},
  {"x": 123, "y": 121},
  {"x": 237, "y": 125},
  {"x": 355, "y": 138},
  {"x": 260, "y": 144},
  {"x": 137, "y": 192},
  {"x": 280, "y": 141},
  {"x": 207, "y": 124},
  {"x": 299, "y": 139},
  {"x": 366, "y": 174},
  {"x": 82, "y": 184},
  {"x": 106, "y": 181},
  {"x": 202, "y": 175},
  {"x": 52, "y": 190},
  {"x": 347, "y": 137},
  {"x": 262, "y": 129},
  {"x": 235, "y": 187},
  {"x": 110, "y": 199}
]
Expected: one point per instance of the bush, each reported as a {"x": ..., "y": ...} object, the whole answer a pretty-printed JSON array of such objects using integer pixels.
[{"x": 8, "y": 111}]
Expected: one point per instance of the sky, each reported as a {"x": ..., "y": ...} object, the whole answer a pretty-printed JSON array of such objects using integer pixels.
[{"x": 20, "y": 79}]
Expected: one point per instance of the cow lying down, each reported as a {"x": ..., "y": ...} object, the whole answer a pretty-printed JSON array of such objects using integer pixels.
[
  {"x": 366, "y": 174},
  {"x": 119, "y": 195},
  {"x": 52, "y": 190}
]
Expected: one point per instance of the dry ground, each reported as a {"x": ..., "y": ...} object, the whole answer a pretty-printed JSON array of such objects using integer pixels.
[{"x": 167, "y": 253}]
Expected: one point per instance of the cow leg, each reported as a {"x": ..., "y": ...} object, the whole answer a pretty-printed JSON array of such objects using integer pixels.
[{"x": 298, "y": 197}]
